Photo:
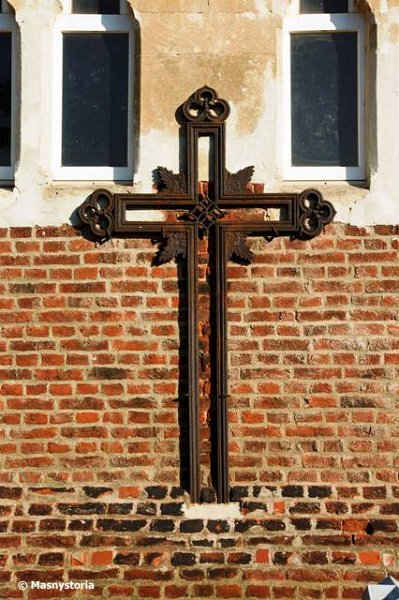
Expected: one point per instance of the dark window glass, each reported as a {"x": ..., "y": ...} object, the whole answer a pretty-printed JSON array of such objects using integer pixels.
[
  {"x": 96, "y": 7},
  {"x": 95, "y": 99},
  {"x": 324, "y": 99},
  {"x": 5, "y": 99},
  {"x": 323, "y": 6}
]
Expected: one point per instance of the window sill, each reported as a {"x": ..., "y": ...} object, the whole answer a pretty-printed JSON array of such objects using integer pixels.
[
  {"x": 56, "y": 188},
  {"x": 344, "y": 195},
  {"x": 346, "y": 188}
]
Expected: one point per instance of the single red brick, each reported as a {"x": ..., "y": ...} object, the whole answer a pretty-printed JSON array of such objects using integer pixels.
[
  {"x": 121, "y": 591},
  {"x": 149, "y": 591},
  {"x": 203, "y": 591},
  {"x": 129, "y": 492},
  {"x": 102, "y": 557},
  {"x": 175, "y": 591},
  {"x": 370, "y": 557},
  {"x": 54, "y": 448},
  {"x": 257, "y": 591},
  {"x": 228, "y": 591},
  {"x": 87, "y": 417}
]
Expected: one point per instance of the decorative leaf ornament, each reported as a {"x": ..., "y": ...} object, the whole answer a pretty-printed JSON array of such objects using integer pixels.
[{"x": 238, "y": 182}]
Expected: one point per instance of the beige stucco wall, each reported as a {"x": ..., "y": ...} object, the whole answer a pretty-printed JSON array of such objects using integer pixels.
[{"x": 231, "y": 45}]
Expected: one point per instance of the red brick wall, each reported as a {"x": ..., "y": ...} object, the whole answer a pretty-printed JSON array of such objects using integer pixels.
[{"x": 89, "y": 442}]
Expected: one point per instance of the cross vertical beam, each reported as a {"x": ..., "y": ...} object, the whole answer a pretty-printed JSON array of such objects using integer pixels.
[
  {"x": 221, "y": 358},
  {"x": 228, "y": 212},
  {"x": 192, "y": 359}
]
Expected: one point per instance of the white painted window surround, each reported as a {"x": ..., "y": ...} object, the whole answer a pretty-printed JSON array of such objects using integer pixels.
[
  {"x": 351, "y": 21},
  {"x": 85, "y": 23},
  {"x": 7, "y": 24}
]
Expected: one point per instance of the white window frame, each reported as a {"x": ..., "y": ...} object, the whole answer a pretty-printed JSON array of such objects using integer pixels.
[
  {"x": 84, "y": 23},
  {"x": 7, "y": 24},
  {"x": 321, "y": 23}
]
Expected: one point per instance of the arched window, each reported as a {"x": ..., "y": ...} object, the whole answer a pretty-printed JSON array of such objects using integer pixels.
[
  {"x": 324, "y": 63},
  {"x": 93, "y": 91},
  {"x": 7, "y": 92}
]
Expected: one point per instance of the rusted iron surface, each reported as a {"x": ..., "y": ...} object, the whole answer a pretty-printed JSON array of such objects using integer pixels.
[{"x": 227, "y": 212}]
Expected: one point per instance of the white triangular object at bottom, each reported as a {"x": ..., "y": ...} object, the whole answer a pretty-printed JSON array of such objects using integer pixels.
[{"x": 377, "y": 592}]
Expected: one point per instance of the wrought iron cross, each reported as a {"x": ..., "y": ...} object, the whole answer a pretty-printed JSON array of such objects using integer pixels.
[{"x": 228, "y": 213}]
